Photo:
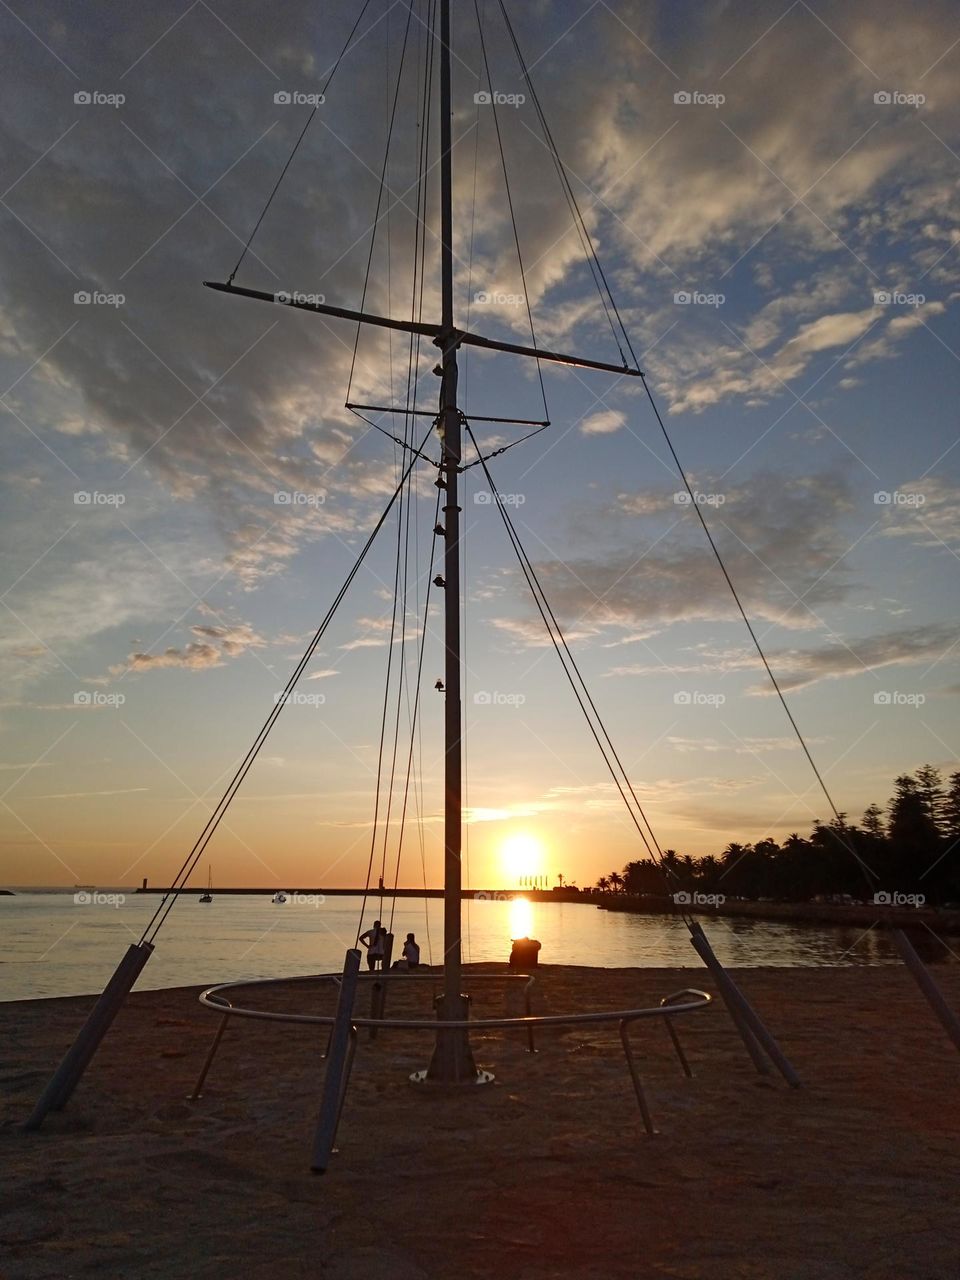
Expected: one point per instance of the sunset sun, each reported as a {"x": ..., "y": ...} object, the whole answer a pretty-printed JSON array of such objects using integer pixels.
[{"x": 522, "y": 854}]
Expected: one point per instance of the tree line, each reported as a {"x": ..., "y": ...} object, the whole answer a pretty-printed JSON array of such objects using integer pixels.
[{"x": 910, "y": 847}]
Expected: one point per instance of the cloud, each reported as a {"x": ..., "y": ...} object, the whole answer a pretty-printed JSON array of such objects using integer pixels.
[
  {"x": 780, "y": 537},
  {"x": 799, "y": 668},
  {"x": 219, "y": 642},
  {"x": 603, "y": 424}
]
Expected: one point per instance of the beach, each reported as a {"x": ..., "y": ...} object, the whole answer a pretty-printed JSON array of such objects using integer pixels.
[{"x": 545, "y": 1173}]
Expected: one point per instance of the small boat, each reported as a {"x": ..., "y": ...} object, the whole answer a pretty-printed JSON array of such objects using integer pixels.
[
  {"x": 208, "y": 896},
  {"x": 279, "y": 898}
]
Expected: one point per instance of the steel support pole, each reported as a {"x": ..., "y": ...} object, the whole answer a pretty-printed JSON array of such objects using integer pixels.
[
  {"x": 78, "y": 1056},
  {"x": 339, "y": 1059},
  {"x": 924, "y": 980}
]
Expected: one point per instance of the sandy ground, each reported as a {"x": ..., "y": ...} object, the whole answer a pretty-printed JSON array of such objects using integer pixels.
[{"x": 546, "y": 1173}]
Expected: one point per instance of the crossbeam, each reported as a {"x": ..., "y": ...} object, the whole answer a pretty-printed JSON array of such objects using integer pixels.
[
  {"x": 432, "y": 413},
  {"x": 300, "y": 302}
]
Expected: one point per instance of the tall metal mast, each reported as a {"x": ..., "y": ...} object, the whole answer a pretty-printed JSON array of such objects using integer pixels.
[{"x": 452, "y": 1059}]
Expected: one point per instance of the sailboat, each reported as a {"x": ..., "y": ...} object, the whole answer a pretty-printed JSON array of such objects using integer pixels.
[{"x": 207, "y": 896}]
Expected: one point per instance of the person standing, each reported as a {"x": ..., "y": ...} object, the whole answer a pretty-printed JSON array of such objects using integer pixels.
[{"x": 375, "y": 940}]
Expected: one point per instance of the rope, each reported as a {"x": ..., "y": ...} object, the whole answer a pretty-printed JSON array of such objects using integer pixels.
[
  {"x": 193, "y": 857},
  {"x": 564, "y": 654},
  {"x": 513, "y": 220},
  {"x": 296, "y": 145},
  {"x": 870, "y": 875},
  {"x": 382, "y": 187},
  {"x": 583, "y": 233}
]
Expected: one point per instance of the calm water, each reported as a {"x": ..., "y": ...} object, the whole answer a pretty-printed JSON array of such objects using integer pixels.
[{"x": 52, "y": 946}]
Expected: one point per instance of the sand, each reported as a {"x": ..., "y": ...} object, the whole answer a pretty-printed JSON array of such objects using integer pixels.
[{"x": 546, "y": 1173}]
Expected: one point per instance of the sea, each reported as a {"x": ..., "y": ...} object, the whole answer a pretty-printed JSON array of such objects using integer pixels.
[{"x": 68, "y": 942}]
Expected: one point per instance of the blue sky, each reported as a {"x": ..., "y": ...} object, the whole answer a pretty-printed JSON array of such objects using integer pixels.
[{"x": 811, "y": 220}]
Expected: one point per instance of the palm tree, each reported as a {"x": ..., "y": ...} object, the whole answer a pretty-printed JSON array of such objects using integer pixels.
[
  {"x": 603, "y": 884},
  {"x": 616, "y": 881}
]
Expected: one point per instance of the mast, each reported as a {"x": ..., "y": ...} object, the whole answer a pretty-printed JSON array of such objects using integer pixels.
[{"x": 452, "y": 1059}]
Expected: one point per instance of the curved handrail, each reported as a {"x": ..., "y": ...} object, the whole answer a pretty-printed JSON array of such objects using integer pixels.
[{"x": 668, "y": 1008}]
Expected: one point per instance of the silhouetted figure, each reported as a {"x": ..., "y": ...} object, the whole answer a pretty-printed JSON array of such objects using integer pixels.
[{"x": 375, "y": 940}]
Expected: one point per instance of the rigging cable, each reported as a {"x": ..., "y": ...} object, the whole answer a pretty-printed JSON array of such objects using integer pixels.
[
  {"x": 513, "y": 219},
  {"x": 193, "y": 857},
  {"x": 871, "y": 877},
  {"x": 586, "y": 240},
  {"x": 296, "y": 145},
  {"x": 564, "y": 654}
]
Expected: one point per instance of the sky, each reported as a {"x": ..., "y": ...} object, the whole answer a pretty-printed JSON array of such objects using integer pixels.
[{"x": 772, "y": 191}]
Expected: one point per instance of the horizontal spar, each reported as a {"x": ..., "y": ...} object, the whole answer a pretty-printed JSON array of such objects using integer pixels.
[
  {"x": 298, "y": 301},
  {"x": 490, "y": 344}
]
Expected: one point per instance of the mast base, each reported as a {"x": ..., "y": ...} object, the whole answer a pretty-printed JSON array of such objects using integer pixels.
[{"x": 452, "y": 1061}]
